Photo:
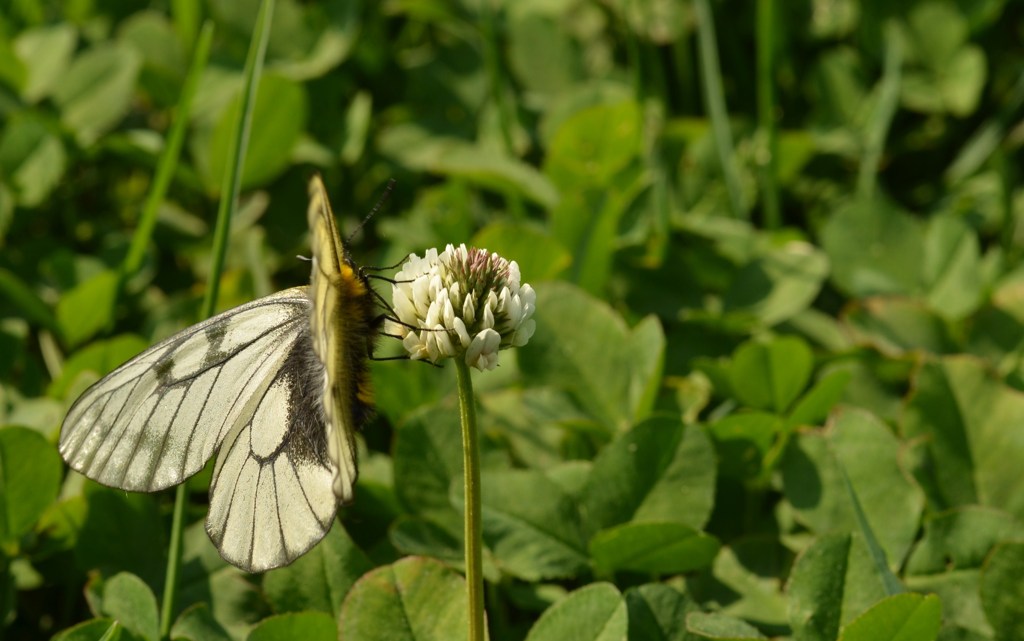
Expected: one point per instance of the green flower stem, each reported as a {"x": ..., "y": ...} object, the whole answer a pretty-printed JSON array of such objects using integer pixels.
[
  {"x": 173, "y": 562},
  {"x": 766, "y": 112},
  {"x": 473, "y": 531}
]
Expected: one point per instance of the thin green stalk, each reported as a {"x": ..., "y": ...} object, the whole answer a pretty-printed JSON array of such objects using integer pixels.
[
  {"x": 173, "y": 562},
  {"x": 1008, "y": 180},
  {"x": 228, "y": 205},
  {"x": 473, "y": 530},
  {"x": 239, "y": 145},
  {"x": 881, "y": 119},
  {"x": 767, "y": 135},
  {"x": 492, "y": 58},
  {"x": 169, "y": 158},
  {"x": 715, "y": 98}
]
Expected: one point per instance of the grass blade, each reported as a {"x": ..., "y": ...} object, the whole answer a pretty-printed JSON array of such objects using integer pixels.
[
  {"x": 767, "y": 148},
  {"x": 714, "y": 96},
  {"x": 881, "y": 118},
  {"x": 169, "y": 158}
]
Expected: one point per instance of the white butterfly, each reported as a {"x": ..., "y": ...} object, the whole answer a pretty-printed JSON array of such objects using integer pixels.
[{"x": 276, "y": 387}]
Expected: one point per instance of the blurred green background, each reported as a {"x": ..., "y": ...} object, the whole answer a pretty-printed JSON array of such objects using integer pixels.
[{"x": 771, "y": 241}]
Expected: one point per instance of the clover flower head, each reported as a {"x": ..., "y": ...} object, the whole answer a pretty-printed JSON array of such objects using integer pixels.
[{"x": 461, "y": 303}]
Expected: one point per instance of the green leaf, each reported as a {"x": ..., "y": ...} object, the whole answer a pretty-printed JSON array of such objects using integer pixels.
[
  {"x": 949, "y": 558},
  {"x": 901, "y": 617},
  {"x": 539, "y": 425},
  {"x": 973, "y": 427},
  {"x": 26, "y": 301},
  {"x": 951, "y": 73},
  {"x": 611, "y": 370},
  {"x": 771, "y": 375},
  {"x": 541, "y": 55},
  {"x": 652, "y": 548},
  {"x": 961, "y": 538},
  {"x": 91, "y": 630},
  {"x": 279, "y": 116},
  {"x": 413, "y": 599},
  {"x": 594, "y": 145},
  {"x": 152, "y": 35},
  {"x": 30, "y": 474},
  {"x": 122, "y": 531},
  {"x": 658, "y": 612},
  {"x": 96, "y": 91},
  {"x": 596, "y": 612},
  {"x": 778, "y": 283},
  {"x": 874, "y": 248},
  {"x": 314, "y": 626},
  {"x": 720, "y": 627},
  {"x": 428, "y": 460},
  {"x": 658, "y": 471},
  {"x": 952, "y": 267},
  {"x": 962, "y": 613},
  {"x": 1002, "y": 591},
  {"x": 12, "y": 69},
  {"x": 746, "y": 581},
  {"x": 196, "y": 623},
  {"x": 419, "y": 536},
  {"x": 419, "y": 150},
  {"x": 742, "y": 440},
  {"x": 45, "y": 52},
  {"x": 127, "y": 599},
  {"x": 832, "y": 582},
  {"x": 814, "y": 407},
  {"x": 896, "y": 326},
  {"x": 870, "y": 455},
  {"x": 32, "y": 158},
  {"x": 540, "y": 257},
  {"x": 592, "y": 161},
  {"x": 319, "y": 579},
  {"x": 531, "y": 524},
  {"x": 88, "y": 307}
]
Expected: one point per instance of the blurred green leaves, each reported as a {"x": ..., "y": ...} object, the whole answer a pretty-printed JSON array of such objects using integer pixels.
[{"x": 662, "y": 461}]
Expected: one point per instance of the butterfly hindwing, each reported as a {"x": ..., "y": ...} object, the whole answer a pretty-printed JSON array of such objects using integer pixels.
[{"x": 271, "y": 497}]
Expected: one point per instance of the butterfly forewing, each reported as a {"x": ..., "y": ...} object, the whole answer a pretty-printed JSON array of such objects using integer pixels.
[
  {"x": 157, "y": 419},
  {"x": 341, "y": 328}
]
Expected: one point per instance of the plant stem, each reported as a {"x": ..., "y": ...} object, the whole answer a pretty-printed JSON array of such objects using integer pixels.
[
  {"x": 473, "y": 530},
  {"x": 173, "y": 562},
  {"x": 766, "y": 111},
  {"x": 714, "y": 96},
  {"x": 881, "y": 118}
]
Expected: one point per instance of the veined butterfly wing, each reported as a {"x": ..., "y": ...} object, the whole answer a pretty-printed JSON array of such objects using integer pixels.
[{"x": 267, "y": 385}]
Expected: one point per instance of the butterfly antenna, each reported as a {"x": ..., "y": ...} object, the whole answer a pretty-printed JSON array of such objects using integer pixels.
[{"x": 376, "y": 208}]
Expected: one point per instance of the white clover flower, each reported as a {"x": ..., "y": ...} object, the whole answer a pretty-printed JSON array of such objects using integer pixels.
[{"x": 461, "y": 303}]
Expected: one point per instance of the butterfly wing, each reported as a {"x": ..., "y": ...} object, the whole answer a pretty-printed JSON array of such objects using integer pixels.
[
  {"x": 342, "y": 329},
  {"x": 239, "y": 382},
  {"x": 271, "y": 497}
]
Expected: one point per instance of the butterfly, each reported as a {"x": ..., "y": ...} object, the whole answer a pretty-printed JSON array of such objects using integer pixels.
[{"x": 276, "y": 388}]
